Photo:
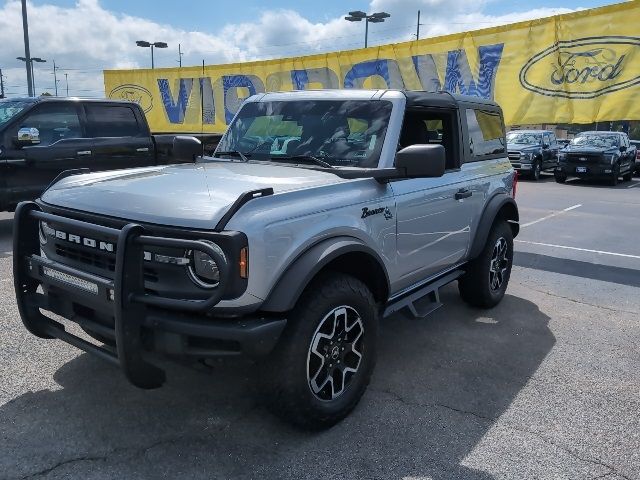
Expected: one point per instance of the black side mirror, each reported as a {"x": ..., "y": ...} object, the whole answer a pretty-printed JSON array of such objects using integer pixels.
[
  {"x": 421, "y": 161},
  {"x": 623, "y": 148},
  {"x": 545, "y": 146},
  {"x": 186, "y": 149}
]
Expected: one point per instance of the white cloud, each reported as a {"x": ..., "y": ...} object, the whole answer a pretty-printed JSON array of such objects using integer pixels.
[{"x": 86, "y": 38}]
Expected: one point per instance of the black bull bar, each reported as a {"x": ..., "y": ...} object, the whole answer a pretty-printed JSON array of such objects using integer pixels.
[{"x": 125, "y": 295}]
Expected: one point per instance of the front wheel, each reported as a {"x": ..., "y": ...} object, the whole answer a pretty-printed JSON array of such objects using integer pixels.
[
  {"x": 536, "y": 169},
  {"x": 627, "y": 177},
  {"x": 560, "y": 177},
  {"x": 325, "y": 359},
  {"x": 487, "y": 276}
]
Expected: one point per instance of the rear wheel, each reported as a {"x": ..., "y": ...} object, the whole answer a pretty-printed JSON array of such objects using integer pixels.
[
  {"x": 325, "y": 359},
  {"x": 485, "y": 282}
]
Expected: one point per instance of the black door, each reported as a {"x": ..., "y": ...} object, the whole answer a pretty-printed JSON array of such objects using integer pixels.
[
  {"x": 61, "y": 146},
  {"x": 120, "y": 139}
]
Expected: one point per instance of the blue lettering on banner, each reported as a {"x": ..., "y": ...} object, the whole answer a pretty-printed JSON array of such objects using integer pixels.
[
  {"x": 458, "y": 77},
  {"x": 387, "y": 69},
  {"x": 230, "y": 85},
  {"x": 175, "y": 109}
]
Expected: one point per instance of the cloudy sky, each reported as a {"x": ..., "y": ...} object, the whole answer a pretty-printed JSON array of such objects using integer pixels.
[{"x": 86, "y": 36}]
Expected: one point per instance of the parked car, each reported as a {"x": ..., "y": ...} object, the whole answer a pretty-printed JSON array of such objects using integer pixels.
[
  {"x": 636, "y": 145},
  {"x": 41, "y": 137},
  {"x": 289, "y": 254},
  {"x": 597, "y": 155},
  {"x": 532, "y": 151}
]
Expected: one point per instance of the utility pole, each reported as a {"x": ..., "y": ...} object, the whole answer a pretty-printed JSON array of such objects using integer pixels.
[
  {"x": 27, "y": 54},
  {"x": 55, "y": 77},
  {"x": 418, "y": 27},
  {"x": 1, "y": 85},
  {"x": 180, "y": 56},
  {"x": 66, "y": 78}
]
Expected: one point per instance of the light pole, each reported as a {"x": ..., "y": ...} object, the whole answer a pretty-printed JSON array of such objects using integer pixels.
[
  {"x": 358, "y": 16},
  {"x": 27, "y": 55},
  {"x": 66, "y": 79},
  {"x": 29, "y": 63},
  {"x": 142, "y": 43}
]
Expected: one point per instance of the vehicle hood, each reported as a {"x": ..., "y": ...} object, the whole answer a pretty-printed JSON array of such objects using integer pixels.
[
  {"x": 523, "y": 147},
  {"x": 587, "y": 149},
  {"x": 187, "y": 195}
]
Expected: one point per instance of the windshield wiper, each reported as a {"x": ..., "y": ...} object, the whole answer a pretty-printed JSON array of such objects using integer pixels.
[
  {"x": 234, "y": 153},
  {"x": 307, "y": 158}
]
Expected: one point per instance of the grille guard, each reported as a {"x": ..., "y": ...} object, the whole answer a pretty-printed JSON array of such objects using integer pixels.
[{"x": 130, "y": 299}]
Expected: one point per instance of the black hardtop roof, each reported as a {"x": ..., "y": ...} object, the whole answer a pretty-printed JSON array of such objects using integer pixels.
[
  {"x": 416, "y": 98},
  {"x": 47, "y": 98}
]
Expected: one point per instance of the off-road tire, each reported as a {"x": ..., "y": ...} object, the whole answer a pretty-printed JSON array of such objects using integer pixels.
[
  {"x": 560, "y": 177},
  {"x": 536, "y": 170},
  {"x": 475, "y": 286},
  {"x": 292, "y": 397}
]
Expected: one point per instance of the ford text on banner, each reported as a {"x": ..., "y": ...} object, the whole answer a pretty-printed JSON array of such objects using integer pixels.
[{"x": 576, "y": 68}]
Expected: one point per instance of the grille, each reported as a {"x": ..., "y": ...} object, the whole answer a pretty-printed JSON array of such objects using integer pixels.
[
  {"x": 583, "y": 158},
  {"x": 102, "y": 261},
  {"x": 514, "y": 155}
]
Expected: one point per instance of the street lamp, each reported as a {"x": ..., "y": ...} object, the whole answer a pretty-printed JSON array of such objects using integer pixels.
[
  {"x": 30, "y": 62},
  {"x": 142, "y": 43},
  {"x": 358, "y": 16}
]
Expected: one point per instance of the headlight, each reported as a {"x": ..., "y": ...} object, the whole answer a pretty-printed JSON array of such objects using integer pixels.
[
  {"x": 562, "y": 156},
  {"x": 203, "y": 269},
  {"x": 610, "y": 158},
  {"x": 526, "y": 156}
]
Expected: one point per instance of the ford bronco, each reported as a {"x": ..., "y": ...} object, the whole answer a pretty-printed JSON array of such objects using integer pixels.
[{"x": 320, "y": 213}]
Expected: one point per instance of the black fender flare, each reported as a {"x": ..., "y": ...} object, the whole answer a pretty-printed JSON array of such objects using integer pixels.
[
  {"x": 305, "y": 267},
  {"x": 492, "y": 209}
]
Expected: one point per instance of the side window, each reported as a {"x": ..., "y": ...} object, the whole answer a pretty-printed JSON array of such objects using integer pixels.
[
  {"x": 486, "y": 134},
  {"x": 553, "y": 138},
  {"x": 54, "y": 122},
  {"x": 547, "y": 139},
  {"x": 429, "y": 127},
  {"x": 111, "y": 121}
]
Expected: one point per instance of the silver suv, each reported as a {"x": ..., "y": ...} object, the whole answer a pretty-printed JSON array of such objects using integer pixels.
[{"x": 320, "y": 213}]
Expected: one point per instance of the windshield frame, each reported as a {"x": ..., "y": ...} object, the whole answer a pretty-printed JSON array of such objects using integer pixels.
[{"x": 377, "y": 113}]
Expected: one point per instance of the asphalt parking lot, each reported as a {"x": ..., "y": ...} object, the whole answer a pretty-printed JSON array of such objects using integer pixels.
[{"x": 544, "y": 386}]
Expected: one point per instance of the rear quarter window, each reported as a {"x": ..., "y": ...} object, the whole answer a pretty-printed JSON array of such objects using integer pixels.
[
  {"x": 112, "y": 121},
  {"x": 486, "y": 134}
]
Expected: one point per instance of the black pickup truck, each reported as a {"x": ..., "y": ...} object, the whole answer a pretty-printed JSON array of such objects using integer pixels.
[
  {"x": 43, "y": 136},
  {"x": 597, "y": 155},
  {"x": 532, "y": 151}
]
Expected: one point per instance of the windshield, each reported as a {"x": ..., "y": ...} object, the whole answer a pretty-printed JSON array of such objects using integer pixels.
[
  {"x": 524, "y": 138},
  {"x": 338, "y": 133},
  {"x": 599, "y": 141},
  {"x": 9, "y": 109}
]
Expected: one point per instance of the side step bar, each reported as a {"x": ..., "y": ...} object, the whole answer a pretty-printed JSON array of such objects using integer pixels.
[{"x": 429, "y": 292}]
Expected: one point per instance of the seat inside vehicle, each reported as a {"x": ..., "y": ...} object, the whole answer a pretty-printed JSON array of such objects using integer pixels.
[{"x": 426, "y": 126}]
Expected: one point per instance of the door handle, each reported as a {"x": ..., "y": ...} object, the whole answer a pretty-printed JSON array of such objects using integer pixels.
[
  {"x": 84, "y": 152},
  {"x": 463, "y": 193},
  {"x": 143, "y": 149}
]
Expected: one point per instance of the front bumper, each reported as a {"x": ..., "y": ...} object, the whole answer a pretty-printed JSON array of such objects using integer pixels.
[
  {"x": 590, "y": 170},
  {"x": 133, "y": 321}
]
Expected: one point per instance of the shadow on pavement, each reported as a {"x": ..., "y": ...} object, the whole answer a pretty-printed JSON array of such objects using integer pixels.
[
  {"x": 440, "y": 384},
  {"x": 577, "y": 268}
]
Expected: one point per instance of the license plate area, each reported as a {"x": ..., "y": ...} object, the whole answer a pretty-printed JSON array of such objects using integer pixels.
[{"x": 581, "y": 169}]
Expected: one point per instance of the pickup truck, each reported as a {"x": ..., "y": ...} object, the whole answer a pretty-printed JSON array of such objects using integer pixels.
[
  {"x": 320, "y": 213},
  {"x": 598, "y": 155},
  {"x": 43, "y": 136},
  {"x": 532, "y": 151}
]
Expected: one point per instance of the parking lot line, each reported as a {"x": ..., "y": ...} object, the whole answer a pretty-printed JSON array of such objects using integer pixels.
[
  {"x": 602, "y": 252},
  {"x": 635, "y": 184},
  {"x": 551, "y": 215}
]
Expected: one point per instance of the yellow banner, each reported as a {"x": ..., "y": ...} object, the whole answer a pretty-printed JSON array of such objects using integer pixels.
[{"x": 575, "y": 68}]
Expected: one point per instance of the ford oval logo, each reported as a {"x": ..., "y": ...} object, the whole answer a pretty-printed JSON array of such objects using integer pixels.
[
  {"x": 583, "y": 68},
  {"x": 133, "y": 93}
]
